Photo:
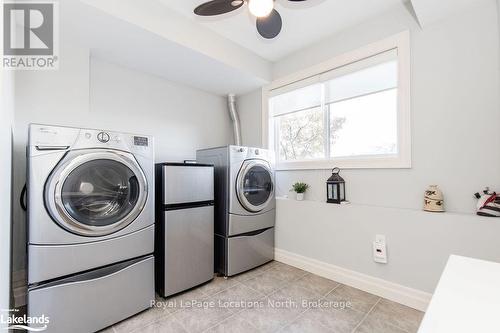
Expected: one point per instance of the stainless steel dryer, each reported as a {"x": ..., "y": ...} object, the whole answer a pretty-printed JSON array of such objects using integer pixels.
[
  {"x": 91, "y": 226},
  {"x": 244, "y": 207}
]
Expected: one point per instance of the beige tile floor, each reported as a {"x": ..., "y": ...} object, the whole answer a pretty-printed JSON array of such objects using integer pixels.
[{"x": 273, "y": 298}]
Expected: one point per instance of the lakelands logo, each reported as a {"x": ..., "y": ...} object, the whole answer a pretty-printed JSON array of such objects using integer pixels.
[
  {"x": 30, "y": 35},
  {"x": 11, "y": 321}
]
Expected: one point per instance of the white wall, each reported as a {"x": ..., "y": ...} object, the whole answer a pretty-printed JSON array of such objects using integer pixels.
[
  {"x": 419, "y": 243},
  {"x": 455, "y": 114},
  {"x": 88, "y": 92},
  {"x": 155, "y": 17},
  {"x": 249, "y": 107},
  {"x": 7, "y": 116},
  {"x": 455, "y": 139},
  {"x": 181, "y": 119}
]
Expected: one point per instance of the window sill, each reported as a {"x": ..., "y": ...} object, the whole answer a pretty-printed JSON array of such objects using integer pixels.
[
  {"x": 357, "y": 206},
  {"x": 358, "y": 163}
]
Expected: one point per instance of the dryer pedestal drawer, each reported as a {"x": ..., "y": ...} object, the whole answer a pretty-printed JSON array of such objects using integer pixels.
[
  {"x": 91, "y": 301},
  {"x": 249, "y": 251}
]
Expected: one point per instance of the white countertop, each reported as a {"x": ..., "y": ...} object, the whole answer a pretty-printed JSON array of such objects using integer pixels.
[{"x": 467, "y": 298}]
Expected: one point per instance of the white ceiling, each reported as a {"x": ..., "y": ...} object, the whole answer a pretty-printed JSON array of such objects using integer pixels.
[
  {"x": 123, "y": 36},
  {"x": 304, "y": 23},
  {"x": 221, "y": 54},
  {"x": 430, "y": 11}
]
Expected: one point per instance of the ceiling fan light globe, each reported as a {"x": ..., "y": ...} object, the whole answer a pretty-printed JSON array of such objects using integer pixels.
[{"x": 260, "y": 8}]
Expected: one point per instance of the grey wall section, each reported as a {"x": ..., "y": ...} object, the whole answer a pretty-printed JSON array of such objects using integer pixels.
[
  {"x": 7, "y": 112},
  {"x": 249, "y": 109},
  {"x": 181, "y": 119},
  {"x": 418, "y": 243},
  {"x": 88, "y": 92}
]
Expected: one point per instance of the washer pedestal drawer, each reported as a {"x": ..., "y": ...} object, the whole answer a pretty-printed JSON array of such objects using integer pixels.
[
  {"x": 48, "y": 262},
  {"x": 91, "y": 301}
]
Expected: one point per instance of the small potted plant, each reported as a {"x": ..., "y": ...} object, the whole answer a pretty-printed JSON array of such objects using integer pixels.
[{"x": 300, "y": 189}]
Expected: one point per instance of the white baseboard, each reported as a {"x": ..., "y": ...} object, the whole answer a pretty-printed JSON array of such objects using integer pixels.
[{"x": 395, "y": 292}]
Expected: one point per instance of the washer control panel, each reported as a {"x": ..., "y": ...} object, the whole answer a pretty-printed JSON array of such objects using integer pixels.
[
  {"x": 44, "y": 138},
  {"x": 137, "y": 143}
]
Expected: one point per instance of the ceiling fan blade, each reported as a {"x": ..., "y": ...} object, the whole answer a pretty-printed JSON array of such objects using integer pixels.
[
  {"x": 269, "y": 26},
  {"x": 218, "y": 7}
]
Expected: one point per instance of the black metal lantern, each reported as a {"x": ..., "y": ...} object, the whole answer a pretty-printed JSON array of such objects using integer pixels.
[{"x": 335, "y": 187}]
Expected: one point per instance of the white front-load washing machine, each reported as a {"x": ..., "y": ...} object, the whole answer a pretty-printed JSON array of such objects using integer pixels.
[
  {"x": 91, "y": 226},
  {"x": 244, "y": 207}
]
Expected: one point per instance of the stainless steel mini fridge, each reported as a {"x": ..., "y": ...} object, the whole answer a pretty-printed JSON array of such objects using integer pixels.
[{"x": 184, "y": 243}]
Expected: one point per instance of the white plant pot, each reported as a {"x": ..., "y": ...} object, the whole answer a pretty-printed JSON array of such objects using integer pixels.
[{"x": 300, "y": 196}]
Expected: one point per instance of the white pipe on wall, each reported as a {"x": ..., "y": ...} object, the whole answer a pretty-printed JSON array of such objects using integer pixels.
[{"x": 231, "y": 104}]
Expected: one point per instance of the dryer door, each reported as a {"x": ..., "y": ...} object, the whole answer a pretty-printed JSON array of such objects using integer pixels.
[
  {"x": 96, "y": 192},
  {"x": 254, "y": 185}
]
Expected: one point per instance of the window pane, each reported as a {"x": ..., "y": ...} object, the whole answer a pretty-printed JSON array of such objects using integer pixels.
[
  {"x": 300, "y": 99},
  {"x": 364, "y": 126},
  {"x": 301, "y": 135},
  {"x": 376, "y": 78}
]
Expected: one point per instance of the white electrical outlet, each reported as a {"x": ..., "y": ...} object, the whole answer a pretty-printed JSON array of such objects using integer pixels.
[{"x": 380, "y": 249}]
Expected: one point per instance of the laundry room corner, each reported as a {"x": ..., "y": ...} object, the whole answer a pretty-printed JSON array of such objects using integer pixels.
[
  {"x": 93, "y": 92},
  {"x": 202, "y": 166}
]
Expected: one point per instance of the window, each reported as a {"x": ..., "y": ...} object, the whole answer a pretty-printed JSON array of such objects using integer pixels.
[{"x": 354, "y": 116}]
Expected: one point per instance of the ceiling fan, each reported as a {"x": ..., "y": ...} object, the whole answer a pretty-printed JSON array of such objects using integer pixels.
[{"x": 268, "y": 19}]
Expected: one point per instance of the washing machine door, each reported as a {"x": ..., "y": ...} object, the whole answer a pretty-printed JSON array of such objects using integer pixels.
[
  {"x": 96, "y": 192},
  {"x": 254, "y": 185}
]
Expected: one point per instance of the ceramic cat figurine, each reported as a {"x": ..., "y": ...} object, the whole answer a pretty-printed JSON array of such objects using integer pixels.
[{"x": 434, "y": 199}]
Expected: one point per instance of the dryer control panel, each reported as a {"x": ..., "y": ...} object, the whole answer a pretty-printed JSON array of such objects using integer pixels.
[{"x": 239, "y": 153}]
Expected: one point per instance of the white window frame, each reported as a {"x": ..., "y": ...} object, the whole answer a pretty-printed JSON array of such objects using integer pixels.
[{"x": 402, "y": 160}]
